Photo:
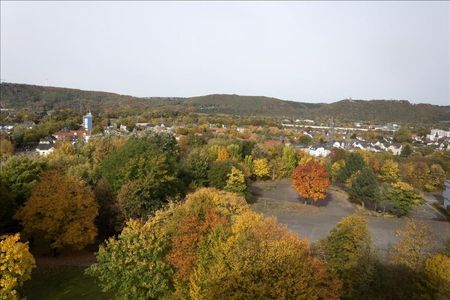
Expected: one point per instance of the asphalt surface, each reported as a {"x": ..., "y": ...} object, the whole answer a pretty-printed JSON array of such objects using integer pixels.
[{"x": 316, "y": 224}]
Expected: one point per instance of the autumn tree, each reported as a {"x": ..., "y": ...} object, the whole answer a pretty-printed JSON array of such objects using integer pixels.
[
  {"x": 414, "y": 246},
  {"x": 236, "y": 181},
  {"x": 389, "y": 171},
  {"x": 63, "y": 157},
  {"x": 337, "y": 154},
  {"x": 417, "y": 174},
  {"x": 6, "y": 147},
  {"x": 336, "y": 168},
  {"x": 154, "y": 259},
  {"x": 16, "y": 264},
  {"x": 257, "y": 247},
  {"x": 261, "y": 168},
  {"x": 403, "y": 197},
  {"x": 62, "y": 208},
  {"x": 311, "y": 181},
  {"x": 348, "y": 251},
  {"x": 437, "y": 177},
  {"x": 223, "y": 154},
  {"x": 212, "y": 246},
  {"x": 437, "y": 277}
]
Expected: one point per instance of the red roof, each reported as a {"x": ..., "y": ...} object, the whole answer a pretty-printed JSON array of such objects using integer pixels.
[
  {"x": 273, "y": 142},
  {"x": 70, "y": 133}
]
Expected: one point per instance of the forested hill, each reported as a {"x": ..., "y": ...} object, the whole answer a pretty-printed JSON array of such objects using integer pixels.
[{"x": 21, "y": 96}]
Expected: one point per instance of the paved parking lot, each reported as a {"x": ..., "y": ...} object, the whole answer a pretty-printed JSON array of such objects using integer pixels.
[{"x": 315, "y": 223}]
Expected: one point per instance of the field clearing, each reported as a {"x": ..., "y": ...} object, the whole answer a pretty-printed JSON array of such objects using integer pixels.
[{"x": 62, "y": 283}]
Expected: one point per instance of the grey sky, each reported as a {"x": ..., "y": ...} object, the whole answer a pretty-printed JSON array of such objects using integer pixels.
[{"x": 302, "y": 51}]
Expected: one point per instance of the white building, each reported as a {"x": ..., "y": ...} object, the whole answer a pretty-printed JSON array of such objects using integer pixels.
[
  {"x": 437, "y": 134},
  {"x": 396, "y": 150},
  {"x": 45, "y": 147},
  {"x": 318, "y": 152}
]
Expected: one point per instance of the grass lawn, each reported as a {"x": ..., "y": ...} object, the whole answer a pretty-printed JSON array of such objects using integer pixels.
[{"x": 62, "y": 283}]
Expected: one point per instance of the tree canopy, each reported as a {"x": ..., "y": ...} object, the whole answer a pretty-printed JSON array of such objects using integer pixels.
[{"x": 62, "y": 208}]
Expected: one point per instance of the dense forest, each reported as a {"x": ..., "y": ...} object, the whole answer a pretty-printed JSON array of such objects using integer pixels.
[{"x": 23, "y": 96}]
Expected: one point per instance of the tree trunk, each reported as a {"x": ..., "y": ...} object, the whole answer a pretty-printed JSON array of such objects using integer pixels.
[{"x": 55, "y": 252}]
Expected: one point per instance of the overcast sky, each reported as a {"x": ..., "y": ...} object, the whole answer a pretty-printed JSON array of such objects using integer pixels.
[{"x": 302, "y": 51}]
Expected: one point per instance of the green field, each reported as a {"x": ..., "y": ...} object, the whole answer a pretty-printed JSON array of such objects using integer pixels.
[{"x": 62, "y": 283}]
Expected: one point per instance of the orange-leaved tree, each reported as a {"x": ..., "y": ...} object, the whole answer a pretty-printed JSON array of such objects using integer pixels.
[
  {"x": 311, "y": 180},
  {"x": 62, "y": 208}
]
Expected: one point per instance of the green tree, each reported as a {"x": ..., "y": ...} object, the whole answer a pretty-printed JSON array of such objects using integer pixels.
[
  {"x": 142, "y": 197},
  {"x": 348, "y": 251},
  {"x": 353, "y": 163},
  {"x": 403, "y": 135},
  {"x": 403, "y": 197},
  {"x": 289, "y": 160},
  {"x": 235, "y": 151},
  {"x": 218, "y": 173},
  {"x": 364, "y": 187},
  {"x": 198, "y": 166},
  {"x": 8, "y": 207},
  {"x": 407, "y": 150},
  {"x": 107, "y": 213},
  {"x": 139, "y": 157},
  {"x": 21, "y": 173},
  {"x": 305, "y": 140}
]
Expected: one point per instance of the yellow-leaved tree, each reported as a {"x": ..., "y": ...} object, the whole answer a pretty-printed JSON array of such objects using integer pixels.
[
  {"x": 236, "y": 181},
  {"x": 414, "y": 246},
  {"x": 62, "y": 209},
  {"x": 211, "y": 246},
  {"x": 257, "y": 247},
  {"x": 16, "y": 263},
  {"x": 223, "y": 154},
  {"x": 261, "y": 168},
  {"x": 389, "y": 171},
  {"x": 437, "y": 277}
]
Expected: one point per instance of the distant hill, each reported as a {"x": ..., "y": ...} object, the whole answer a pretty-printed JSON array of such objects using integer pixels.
[
  {"x": 21, "y": 96},
  {"x": 249, "y": 105}
]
